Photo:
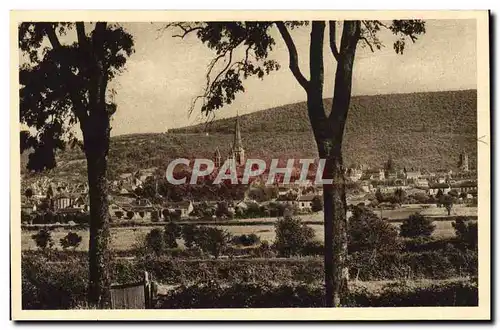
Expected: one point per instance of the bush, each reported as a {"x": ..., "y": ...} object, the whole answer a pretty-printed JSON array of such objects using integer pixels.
[
  {"x": 213, "y": 240},
  {"x": 416, "y": 226},
  {"x": 366, "y": 231},
  {"x": 246, "y": 240},
  {"x": 211, "y": 294},
  {"x": 53, "y": 285},
  {"x": 71, "y": 240},
  {"x": 155, "y": 241},
  {"x": 172, "y": 233},
  {"x": 43, "y": 239},
  {"x": 189, "y": 233},
  {"x": 466, "y": 231},
  {"x": 317, "y": 204},
  {"x": 291, "y": 236}
]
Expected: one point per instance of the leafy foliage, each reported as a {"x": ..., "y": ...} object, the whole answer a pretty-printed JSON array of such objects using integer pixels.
[
  {"x": 291, "y": 236},
  {"x": 72, "y": 240},
  {"x": 172, "y": 233},
  {"x": 466, "y": 231},
  {"x": 43, "y": 239},
  {"x": 366, "y": 231},
  {"x": 56, "y": 83},
  {"x": 416, "y": 226},
  {"x": 155, "y": 241},
  {"x": 317, "y": 204}
]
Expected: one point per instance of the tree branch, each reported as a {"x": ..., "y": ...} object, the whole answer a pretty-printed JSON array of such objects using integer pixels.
[
  {"x": 367, "y": 43},
  {"x": 185, "y": 29},
  {"x": 80, "y": 32},
  {"x": 292, "y": 50},
  {"x": 333, "y": 44},
  {"x": 51, "y": 34}
]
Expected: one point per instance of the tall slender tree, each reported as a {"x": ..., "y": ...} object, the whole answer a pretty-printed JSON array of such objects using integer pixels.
[
  {"x": 225, "y": 79},
  {"x": 64, "y": 81}
]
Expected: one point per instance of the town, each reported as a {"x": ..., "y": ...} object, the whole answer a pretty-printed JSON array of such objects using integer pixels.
[{"x": 54, "y": 202}]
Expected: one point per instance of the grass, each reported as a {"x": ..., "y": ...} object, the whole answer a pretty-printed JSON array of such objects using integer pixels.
[{"x": 124, "y": 238}]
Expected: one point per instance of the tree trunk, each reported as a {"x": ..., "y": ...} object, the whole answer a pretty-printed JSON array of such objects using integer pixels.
[
  {"x": 96, "y": 142},
  {"x": 336, "y": 271},
  {"x": 96, "y": 132}
]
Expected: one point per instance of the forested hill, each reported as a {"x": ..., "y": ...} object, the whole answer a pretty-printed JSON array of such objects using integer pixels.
[{"x": 420, "y": 130}]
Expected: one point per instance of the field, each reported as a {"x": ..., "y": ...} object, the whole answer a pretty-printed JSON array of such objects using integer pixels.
[{"x": 124, "y": 238}]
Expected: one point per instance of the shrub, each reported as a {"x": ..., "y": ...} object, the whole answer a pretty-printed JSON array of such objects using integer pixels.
[
  {"x": 317, "y": 204},
  {"x": 155, "y": 216},
  {"x": 172, "y": 233},
  {"x": 291, "y": 236},
  {"x": 466, "y": 231},
  {"x": 189, "y": 233},
  {"x": 447, "y": 201},
  {"x": 417, "y": 226},
  {"x": 49, "y": 285},
  {"x": 43, "y": 239},
  {"x": 71, "y": 240},
  {"x": 366, "y": 231},
  {"x": 212, "y": 240},
  {"x": 212, "y": 294},
  {"x": 155, "y": 241},
  {"x": 246, "y": 240}
]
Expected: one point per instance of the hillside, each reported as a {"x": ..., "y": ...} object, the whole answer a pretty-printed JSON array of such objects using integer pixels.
[{"x": 420, "y": 130}]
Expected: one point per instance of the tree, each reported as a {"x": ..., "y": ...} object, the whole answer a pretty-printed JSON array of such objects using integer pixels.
[
  {"x": 71, "y": 240},
  {"x": 43, "y": 239},
  {"x": 172, "y": 233},
  {"x": 368, "y": 232},
  {"x": 379, "y": 196},
  {"x": 466, "y": 231},
  {"x": 189, "y": 234},
  {"x": 291, "y": 236},
  {"x": 417, "y": 226},
  {"x": 399, "y": 195},
  {"x": 447, "y": 201},
  {"x": 64, "y": 85},
  {"x": 213, "y": 240},
  {"x": 257, "y": 41},
  {"x": 317, "y": 204},
  {"x": 28, "y": 193},
  {"x": 155, "y": 241},
  {"x": 439, "y": 194}
]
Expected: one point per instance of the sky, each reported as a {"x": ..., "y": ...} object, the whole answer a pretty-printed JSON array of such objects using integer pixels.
[{"x": 164, "y": 74}]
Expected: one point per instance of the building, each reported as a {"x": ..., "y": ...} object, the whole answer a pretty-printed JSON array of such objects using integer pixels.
[
  {"x": 287, "y": 200},
  {"x": 435, "y": 187},
  {"x": 63, "y": 201},
  {"x": 463, "y": 162},
  {"x": 237, "y": 152},
  {"x": 217, "y": 158},
  {"x": 413, "y": 175},
  {"x": 305, "y": 202},
  {"x": 465, "y": 187},
  {"x": 183, "y": 208}
]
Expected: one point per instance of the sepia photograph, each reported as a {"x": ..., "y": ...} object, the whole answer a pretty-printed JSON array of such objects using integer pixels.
[{"x": 244, "y": 165}]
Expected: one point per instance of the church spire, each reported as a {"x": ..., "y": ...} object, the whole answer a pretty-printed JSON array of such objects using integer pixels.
[
  {"x": 238, "y": 151},
  {"x": 237, "y": 135}
]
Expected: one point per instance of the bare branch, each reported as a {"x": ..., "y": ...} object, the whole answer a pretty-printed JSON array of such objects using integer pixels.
[
  {"x": 186, "y": 29},
  {"x": 292, "y": 50},
  {"x": 367, "y": 43},
  {"x": 333, "y": 44}
]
